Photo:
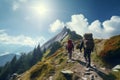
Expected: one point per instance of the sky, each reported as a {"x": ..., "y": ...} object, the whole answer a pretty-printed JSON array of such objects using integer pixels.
[{"x": 31, "y": 22}]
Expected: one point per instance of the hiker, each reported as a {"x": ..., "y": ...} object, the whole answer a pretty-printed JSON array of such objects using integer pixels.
[
  {"x": 87, "y": 44},
  {"x": 70, "y": 48}
]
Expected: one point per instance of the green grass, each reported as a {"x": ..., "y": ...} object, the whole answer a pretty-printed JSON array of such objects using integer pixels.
[
  {"x": 47, "y": 66},
  {"x": 97, "y": 60},
  {"x": 45, "y": 54},
  {"x": 117, "y": 74},
  {"x": 39, "y": 71}
]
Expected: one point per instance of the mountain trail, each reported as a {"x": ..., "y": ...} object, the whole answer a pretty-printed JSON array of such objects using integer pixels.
[
  {"x": 79, "y": 71},
  {"x": 82, "y": 73}
]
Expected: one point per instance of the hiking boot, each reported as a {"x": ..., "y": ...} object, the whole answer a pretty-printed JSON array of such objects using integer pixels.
[{"x": 88, "y": 65}]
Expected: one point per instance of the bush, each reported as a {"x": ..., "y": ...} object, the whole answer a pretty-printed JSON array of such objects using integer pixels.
[{"x": 111, "y": 51}]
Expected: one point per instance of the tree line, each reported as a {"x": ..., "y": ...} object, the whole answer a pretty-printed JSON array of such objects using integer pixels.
[
  {"x": 26, "y": 61},
  {"x": 22, "y": 64}
]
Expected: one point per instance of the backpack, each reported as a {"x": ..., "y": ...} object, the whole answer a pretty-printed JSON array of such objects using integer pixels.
[
  {"x": 70, "y": 45},
  {"x": 88, "y": 41}
]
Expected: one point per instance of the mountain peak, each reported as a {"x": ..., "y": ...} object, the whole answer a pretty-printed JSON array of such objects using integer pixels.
[
  {"x": 65, "y": 29},
  {"x": 58, "y": 38},
  {"x": 61, "y": 36}
]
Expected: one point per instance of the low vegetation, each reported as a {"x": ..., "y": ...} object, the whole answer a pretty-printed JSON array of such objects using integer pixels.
[
  {"x": 111, "y": 51},
  {"x": 107, "y": 54}
]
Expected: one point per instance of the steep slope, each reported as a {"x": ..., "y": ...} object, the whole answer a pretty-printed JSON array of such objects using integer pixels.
[
  {"x": 111, "y": 51},
  {"x": 60, "y": 36},
  {"x": 52, "y": 68},
  {"x": 58, "y": 41}
]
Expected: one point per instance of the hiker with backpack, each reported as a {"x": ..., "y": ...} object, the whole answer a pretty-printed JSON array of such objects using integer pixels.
[
  {"x": 70, "y": 48},
  {"x": 88, "y": 45}
]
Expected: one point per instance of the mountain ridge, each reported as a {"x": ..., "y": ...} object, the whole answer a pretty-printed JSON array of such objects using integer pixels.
[{"x": 59, "y": 37}]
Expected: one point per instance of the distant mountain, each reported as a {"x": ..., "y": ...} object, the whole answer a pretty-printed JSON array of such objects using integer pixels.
[
  {"x": 6, "y": 52},
  {"x": 60, "y": 36},
  {"x": 14, "y": 49},
  {"x": 23, "y": 49},
  {"x": 7, "y": 58}
]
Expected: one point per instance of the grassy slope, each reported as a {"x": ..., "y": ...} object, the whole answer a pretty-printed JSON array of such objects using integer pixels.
[
  {"x": 108, "y": 52},
  {"x": 111, "y": 51},
  {"x": 99, "y": 46},
  {"x": 51, "y": 66}
]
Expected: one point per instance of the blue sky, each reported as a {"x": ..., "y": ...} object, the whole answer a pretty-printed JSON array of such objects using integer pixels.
[{"x": 29, "y": 22}]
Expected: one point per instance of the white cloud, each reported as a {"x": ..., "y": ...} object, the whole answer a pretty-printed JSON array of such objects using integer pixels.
[
  {"x": 81, "y": 25},
  {"x": 56, "y": 26},
  {"x": 78, "y": 23},
  {"x": 96, "y": 28},
  {"x": 20, "y": 40},
  {"x": 99, "y": 29},
  {"x": 112, "y": 26}
]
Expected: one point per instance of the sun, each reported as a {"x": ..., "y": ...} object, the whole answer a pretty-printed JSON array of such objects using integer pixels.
[{"x": 41, "y": 9}]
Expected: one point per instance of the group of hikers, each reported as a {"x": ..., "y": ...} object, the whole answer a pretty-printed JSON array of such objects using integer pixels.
[{"x": 87, "y": 43}]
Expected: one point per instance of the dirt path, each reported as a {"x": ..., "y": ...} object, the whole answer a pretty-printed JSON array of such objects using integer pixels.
[{"x": 83, "y": 73}]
